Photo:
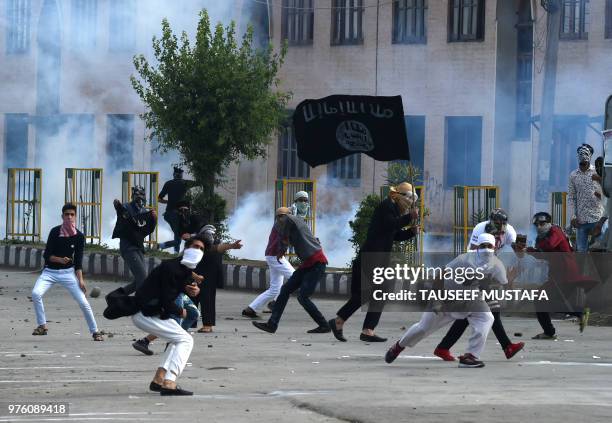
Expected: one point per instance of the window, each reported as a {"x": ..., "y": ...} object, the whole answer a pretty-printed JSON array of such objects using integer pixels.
[
  {"x": 574, "y": 20},
  {"x": 120, "y": 142},
  {"x": 83, "y": 24},
  {"x": 409, "y": 21},
  {"x": 16, "y": 140},
  {"x": 466, "y": 20},
  {"x": 298, "y": 21},
  {"x": 463, "y": 150},
  {"x": 608, "y": 18},
  {"x": 18, "y": 26},
  {"x": 346, "y": 171},
  {"x": 415, "y": 128},
  {"x": 347, "y": 22},
  {"x": 122, "y": 25},
  {"x": 289, "y": 165},
  {"x": 569, "y": 132}
]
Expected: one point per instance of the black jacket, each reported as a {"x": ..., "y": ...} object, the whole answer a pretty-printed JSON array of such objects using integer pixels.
[
  {"x": 385, "y": 227},
  {"x": 211, "y": 267},
  {"x": 157, "y": 295},
  {"x": 133, "y": 226}
]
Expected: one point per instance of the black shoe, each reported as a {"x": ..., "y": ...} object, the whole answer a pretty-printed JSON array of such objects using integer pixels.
[
  {"x": 155, "y": 387},
  {"x": 320, "y": 329},
  {"x": 468, "y": 360},
  {"x": 249, "y": 312},
  {"x": 371, "y": 338},
  {"x": 393, "y": 353},
  {"x": 142, "y": 346},
  {"x": 337, "y": 332},
  {"x": 265, "y": 326},
  {"x": 174, "y": 392}
]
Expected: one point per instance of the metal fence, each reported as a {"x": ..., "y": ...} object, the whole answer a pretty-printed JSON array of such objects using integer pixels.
[
  {"x": 83, "y": 188},
  {"x": 23, "y": 204},
  {"x": 150, "y": 182},
  {"x": 472, "y": 205},
  {"x": 558, "y": 208}
]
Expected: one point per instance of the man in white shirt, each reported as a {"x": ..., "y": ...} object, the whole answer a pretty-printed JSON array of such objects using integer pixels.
[
  {"x": 505, "y": 237},
  {"x": 476, "y": 311}
]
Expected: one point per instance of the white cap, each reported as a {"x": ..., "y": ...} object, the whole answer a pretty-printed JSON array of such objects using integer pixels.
[
  {"x": 301, "y": 194},
  {"x": 486, "y": 239}
]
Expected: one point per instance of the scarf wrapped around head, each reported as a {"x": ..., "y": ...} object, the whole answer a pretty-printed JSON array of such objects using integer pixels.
[{"x": 584, "y": 154}]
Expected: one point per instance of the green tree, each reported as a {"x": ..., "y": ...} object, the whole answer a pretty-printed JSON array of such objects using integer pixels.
[
  {"x": 360, "y": 224},
  {"x": 213, "y": 100}
]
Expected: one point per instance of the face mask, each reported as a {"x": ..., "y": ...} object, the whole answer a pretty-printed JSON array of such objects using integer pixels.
[
  {"x": 485, "y": 254},
  {"x": 139, "y": 201},
  {"x": 543, "y": 229},
  {"x": 302, "y": 207},
  {"x": 191, "y": 257},
  {"x": 403, "y": 203}
]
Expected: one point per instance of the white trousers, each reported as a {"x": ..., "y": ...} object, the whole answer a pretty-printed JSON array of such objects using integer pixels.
[
  {"x": 278, "y": 272},
  {"x": 66, "y": 278},
  {"x": 181, "y": 343},
  {"x": 430, "y": 322}
]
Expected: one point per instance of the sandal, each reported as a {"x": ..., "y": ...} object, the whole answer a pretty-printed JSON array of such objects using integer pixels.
[
  {"x": 205, "y": 329},
  {"x": 40, "y": 331},
  {"x": 97, "y": 336}
]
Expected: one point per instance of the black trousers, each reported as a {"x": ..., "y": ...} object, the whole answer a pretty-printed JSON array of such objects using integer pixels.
[
  {"x": 546, "y": 322},
  {"x": 457, "y": 329},
  {"x": 207, "y": 301},
  {"x": 354, "y": 302}
]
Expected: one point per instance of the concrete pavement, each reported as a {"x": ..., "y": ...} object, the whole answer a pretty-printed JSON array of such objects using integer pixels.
[{"x": 240, "y": 374}]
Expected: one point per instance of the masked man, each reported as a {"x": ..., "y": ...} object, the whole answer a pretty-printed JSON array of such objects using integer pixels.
[
  {"x": 505, "y": 235},
  {"x": 387, "y": 225},
  {"x": 301, "y": 205},
  {"x": 293, "y": 231},
  {"x": 64, "y": 266},
  {"x": 584, "y": 199},
  {"x": 189, "y": 224},
  {"x": 279, "y": 270},
  {"x": 475, "y": 311},
  {"x": 134, "y": 223},
  {"x": 552, "y": 239},
  {"x": 175, "y": 189}
]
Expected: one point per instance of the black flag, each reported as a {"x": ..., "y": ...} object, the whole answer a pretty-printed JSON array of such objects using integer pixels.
[{"x": 333, "y": 127}]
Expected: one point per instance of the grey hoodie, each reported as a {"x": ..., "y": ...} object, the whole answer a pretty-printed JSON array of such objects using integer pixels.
[{"x": 293, "y": 230}]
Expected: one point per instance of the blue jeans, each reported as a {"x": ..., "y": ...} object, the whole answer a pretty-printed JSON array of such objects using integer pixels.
[
  {"x": 306, "y": 280},
  {"x": 582, "y": 236},
  {"x": 183, "y": 301}
]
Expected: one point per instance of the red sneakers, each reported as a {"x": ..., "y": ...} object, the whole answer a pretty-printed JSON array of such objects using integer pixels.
[
  {"x": 444, "y": 354},
  {"x": 512, "y": 349}
]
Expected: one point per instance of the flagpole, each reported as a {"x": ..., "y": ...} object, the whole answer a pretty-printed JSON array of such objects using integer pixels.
[{"x": 375, "y": 87}]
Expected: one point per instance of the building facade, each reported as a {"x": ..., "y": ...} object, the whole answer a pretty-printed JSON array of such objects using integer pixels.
[{"x": 471, "y": 74}]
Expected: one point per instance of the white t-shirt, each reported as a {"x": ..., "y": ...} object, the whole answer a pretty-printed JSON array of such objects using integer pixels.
[
  {"x": 493, "y": 269},
  {"x": 507, "y": 238}
]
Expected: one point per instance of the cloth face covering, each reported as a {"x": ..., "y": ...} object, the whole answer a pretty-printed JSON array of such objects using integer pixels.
[
  {"x": 543, "y": 229},
  {"x": 485, "y": 255},
  {"x": 191, "y": 257},
  {"x": 302, "y": 207},
  {"x": 68, "y": 227},
  {"x": 584, "y": 155}
]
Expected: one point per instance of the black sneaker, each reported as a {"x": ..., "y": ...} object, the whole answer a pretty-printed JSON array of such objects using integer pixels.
[
  {"x": 320, "y": 329},
  {"x": 545, "y": 336},
  {"x": 468, "y": 360},
  {"x": 265, "y": 326},
  {"x": 393, "y": 352},
  {"x": 371, "y": 338},
  {"x": 142, "y": 346},
  {"x": 176, "y": 392},
  {"x": 337, "y": 332},
  {"x": 249, "y": 312}
]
